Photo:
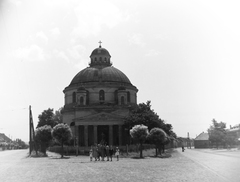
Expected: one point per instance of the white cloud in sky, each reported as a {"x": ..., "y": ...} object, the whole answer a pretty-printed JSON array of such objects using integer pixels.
[
  {"x": 162, "y": 37},
  {"x": 153, "y": 52},
  {"x": 77, "y": 51},
  {"x": 55, "y": 32},
  {"x": 92, "y": 15},
  {"x": 42, "y": 36},
  {"x": 31, "y": 53},
  {"x": 136, "y": 39},
  {"x": 60, "y": 55},
  {"x": 81, "y": 64},
  {"x": 16, "y": 2}
]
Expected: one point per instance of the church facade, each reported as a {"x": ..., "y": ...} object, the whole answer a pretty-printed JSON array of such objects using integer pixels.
[{"x": 97, "y": 100}]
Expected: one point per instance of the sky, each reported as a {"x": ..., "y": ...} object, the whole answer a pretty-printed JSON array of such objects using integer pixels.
[{"x": 183, "y": 56}]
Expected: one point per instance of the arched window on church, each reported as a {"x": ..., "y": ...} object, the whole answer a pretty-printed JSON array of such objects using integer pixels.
[
  {"x": 128, "y": 97},
  {"x": 101, "y": 95},
  {"x": 122, "y": 100},
  {"x": 105, "y": 59},
  {"x": 87, "y": 97},
  {"x": 81, "y": 101},
  {"x": 100, "y": 59},
  {"x": 95, "y": 59},
  {"x": 73, "y": 97}
]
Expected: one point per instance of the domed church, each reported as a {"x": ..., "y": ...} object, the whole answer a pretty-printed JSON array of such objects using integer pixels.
[{"x": 97, "y": 100}]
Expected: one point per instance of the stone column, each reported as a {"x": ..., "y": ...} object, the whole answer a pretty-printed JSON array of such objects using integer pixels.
[
  {"x": 110, "y": 135},
  {"x": 95, "y": 134},
  {"x": 120, "y": 134},
  {"x": 86, "y": 135}
]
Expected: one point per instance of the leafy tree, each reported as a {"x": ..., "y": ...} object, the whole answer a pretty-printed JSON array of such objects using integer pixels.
[
  {"x": 217, "y": 132},
  {"x": 157, "y": 136},
  {"x": 43, "y": 137},
  {"x": 46, "y": 118},
  {"x": 143, "y": 114},
  {"x": 57, "y": 117},
  {"x": 62, "y": 134},
  {"x": 139, "y": 133},
  {"x": 21, "y": 143}
]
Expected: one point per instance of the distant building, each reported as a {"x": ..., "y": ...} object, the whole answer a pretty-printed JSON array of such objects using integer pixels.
[
  {"x": 185, "y": 142},
  {"x": 202, "y": 141},
  {"x": 97, "y": 100},
  {"x": 234, "y": 131}
]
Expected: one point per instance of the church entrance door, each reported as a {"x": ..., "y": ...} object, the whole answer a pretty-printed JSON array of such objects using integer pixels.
[{"x": 103, "y": 133}]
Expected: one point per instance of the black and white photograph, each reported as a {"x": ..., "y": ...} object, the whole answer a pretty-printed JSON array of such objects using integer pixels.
[{"x": 119, "y": 90}]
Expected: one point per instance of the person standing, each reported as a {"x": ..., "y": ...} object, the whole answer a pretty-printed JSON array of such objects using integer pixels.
[
  {"x": 99, "y": 151},
  {"x": 95, "y": 152},
  {"x": 111, "y": 152},
  {"x": 183, "y": 149},
  {"x": 91, "y": 154},
  {"x": 107, "y": 152},
  {"x": 117, "y": 153}
]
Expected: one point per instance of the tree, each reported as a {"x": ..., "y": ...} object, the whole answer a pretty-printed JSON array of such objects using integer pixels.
[
  {"x": 21, "y": 143},
  {"x": 139, "y": 133},
  {"x": 57, "y": 116},
  {"x": 62, "y": 134},
  {"x": 143, "y": 114},
  {"x": 157, "y": 136},
  {"x": 43, "y": 137},
  {"x": 46, "y": 118},
  {"x": 217, "y": 132}
]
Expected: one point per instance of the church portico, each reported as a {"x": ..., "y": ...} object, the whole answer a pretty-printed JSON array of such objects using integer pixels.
[
  {"x": 88, "y": 135},
  {"x": 97, "y": 100}
]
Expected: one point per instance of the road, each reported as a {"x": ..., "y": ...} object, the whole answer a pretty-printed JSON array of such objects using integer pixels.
[
  {"x": 223, "y": 163},
  {"x": 10, "y": 159}
]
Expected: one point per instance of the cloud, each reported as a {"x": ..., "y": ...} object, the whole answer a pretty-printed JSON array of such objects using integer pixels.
[
  {"x": 42, "y": 37},
  {"x": 55, "y": 32},
  {"x": 16, "y": 2},
  {"x": 31, "y": 53},
  {"x": 91, "y": 16},
  {"x": 77, "y": 51},
  {"x": 60, "y": 55},
  {"x": 153, "y": 52},
  {"x": 161, "y": 37},
  {"x": 137, "y": 39},
  {"x": 81, "y": 64}
]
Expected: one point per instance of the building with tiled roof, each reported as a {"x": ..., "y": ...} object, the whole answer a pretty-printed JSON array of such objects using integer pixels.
[{"x": 202, "y": 140}]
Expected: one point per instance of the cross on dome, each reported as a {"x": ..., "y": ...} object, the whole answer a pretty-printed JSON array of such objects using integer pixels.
[{"x": 100, "y": 44}]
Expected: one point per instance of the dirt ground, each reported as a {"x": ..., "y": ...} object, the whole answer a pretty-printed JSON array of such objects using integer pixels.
[{"x": 52, "y": 168}]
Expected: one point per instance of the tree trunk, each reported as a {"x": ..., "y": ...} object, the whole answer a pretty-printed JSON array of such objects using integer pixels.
[
  {"x": 62, "y": 150},
  {"x": 141, "y": 150},
  {"x": 43, "y": 148},
  {"x": 160, "y": 149},
  {"x": 163, "y": 148}
]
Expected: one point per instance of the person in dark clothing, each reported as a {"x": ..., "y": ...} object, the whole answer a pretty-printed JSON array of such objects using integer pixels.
[
  {"x": 111, "y": 151},
  {"x": 99, "y": 151},
  {"x": 107, "y": 152}
]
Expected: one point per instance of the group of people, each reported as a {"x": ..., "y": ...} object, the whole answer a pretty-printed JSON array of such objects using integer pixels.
[{"x": 100, "y": 151}]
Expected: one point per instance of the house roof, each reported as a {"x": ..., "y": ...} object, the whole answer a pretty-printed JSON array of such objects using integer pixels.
[{"x": 202, "y": 136}]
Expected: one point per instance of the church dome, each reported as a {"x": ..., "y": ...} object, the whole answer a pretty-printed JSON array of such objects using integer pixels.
[
  {"x": 100, "y": 70},
  {"x": 95, "y": 74},
  {"x": 100, "y": 51}
]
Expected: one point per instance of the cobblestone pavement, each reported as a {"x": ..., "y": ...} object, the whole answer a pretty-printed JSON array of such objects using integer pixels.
[{"x": 16, "y": 167}]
